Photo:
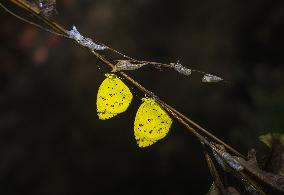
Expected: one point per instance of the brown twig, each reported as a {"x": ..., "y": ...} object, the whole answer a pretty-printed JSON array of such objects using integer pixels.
[{"x": 188, "y": 123}]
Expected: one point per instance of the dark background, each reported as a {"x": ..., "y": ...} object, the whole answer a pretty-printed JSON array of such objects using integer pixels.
[{"x": 51, "y": 141}]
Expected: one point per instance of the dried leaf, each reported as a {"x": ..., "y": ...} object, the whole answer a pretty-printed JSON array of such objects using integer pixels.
[
  {"x": 275, "y": 162},
  {"x": 127, "y": 65},
  {"x": 181, "y": 69},
  {"x": 269, "y": 138},
  {"x": 273, "y": 180},
  {"x": 209, "y": 78},
  {"x": 84, "y": 41},
  {"x": 230, "y": 173}
]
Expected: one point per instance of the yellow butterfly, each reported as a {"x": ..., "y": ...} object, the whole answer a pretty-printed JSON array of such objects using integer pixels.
[
  {"x": 113, "y": 97},
  {"x": 151, "y": 123}
]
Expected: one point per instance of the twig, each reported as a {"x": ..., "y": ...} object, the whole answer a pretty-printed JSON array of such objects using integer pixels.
[
  {"x": 32, "y": 23},
  {"x": 177, "y": 115}
]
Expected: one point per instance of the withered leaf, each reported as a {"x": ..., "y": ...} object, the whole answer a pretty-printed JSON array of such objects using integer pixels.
[{"x": 273, "y": 180}]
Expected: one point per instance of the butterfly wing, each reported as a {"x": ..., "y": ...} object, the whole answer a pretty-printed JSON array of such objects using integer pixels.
[
  {"x": 151, "y": 123},
  {"x": 113, "y": 97}
]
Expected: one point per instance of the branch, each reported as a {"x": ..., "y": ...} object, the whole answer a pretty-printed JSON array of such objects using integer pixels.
[{"x": 95, "y": 47}]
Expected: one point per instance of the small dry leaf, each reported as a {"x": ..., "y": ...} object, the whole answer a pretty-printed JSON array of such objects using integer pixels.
[
  {"x": 274, "y": 180},
  {"x": 275, "y": 162},
  {"x": 181, "y": 69},
  {"x": 209, "y": 78},
  {"x": 84, "y": 41},
  {"x": 127, "y": 65}
]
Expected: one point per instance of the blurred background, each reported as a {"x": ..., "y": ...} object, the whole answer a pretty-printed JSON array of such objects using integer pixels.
[{"x": 51, "y": 141}]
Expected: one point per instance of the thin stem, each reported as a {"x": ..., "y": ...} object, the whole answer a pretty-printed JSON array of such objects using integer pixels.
[
  {"x": 177, "y": 115},
  {"x": 36, "y": 12},
  {"x": 32, "y": 23},
  {"x": 206, "y": 132},
  {"x": 214, "y": 173}
]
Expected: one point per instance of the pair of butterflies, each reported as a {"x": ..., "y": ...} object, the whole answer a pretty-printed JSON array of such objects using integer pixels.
[{"x": 151, "y": 123}]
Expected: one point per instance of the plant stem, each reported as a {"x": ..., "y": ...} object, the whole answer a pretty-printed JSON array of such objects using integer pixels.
[{"x": 188, "y": 123}]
